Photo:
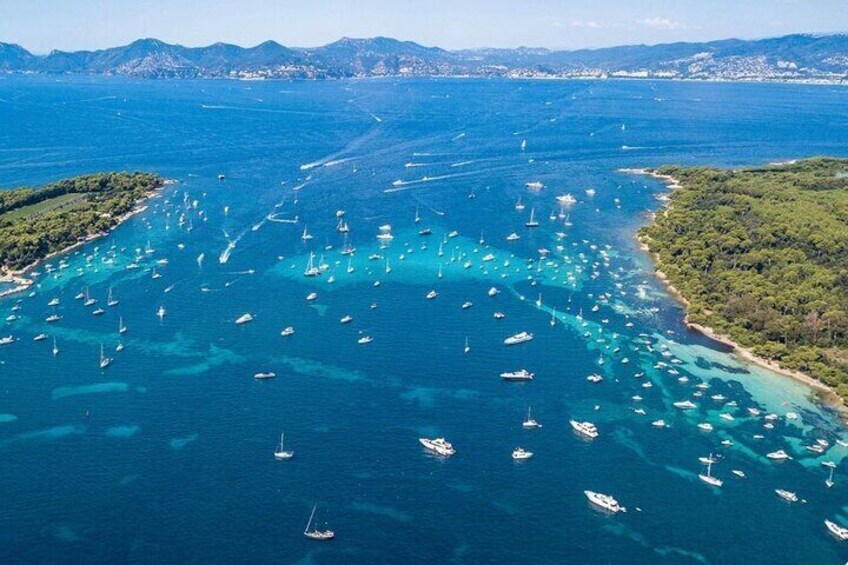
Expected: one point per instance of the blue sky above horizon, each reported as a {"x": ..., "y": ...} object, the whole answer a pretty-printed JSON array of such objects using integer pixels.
[{"x": 43, "y": 25}]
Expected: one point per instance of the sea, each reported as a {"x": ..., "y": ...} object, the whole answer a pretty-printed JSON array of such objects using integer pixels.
[{"x": 167, "y": 454}]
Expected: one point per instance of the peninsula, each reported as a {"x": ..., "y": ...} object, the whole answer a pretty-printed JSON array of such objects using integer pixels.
[
  {"x": 36, "y": 223},
  {"x": 760, "y": 258}
]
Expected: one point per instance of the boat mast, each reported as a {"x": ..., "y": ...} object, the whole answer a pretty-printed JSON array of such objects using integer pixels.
[{"x": 309, "y": 523}]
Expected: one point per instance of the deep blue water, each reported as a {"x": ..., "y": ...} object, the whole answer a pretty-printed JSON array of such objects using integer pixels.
[{"x": 166, "y": 456}]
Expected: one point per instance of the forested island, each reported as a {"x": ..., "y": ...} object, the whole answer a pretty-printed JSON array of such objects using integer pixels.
[
  {"x": 761, "y": 257},
  {"x": 37, "y": 222}
]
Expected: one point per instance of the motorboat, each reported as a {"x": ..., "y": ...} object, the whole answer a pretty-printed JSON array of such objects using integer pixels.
[
  {"x": 287, "y": 331},
  {"x": 519, "y": 375},
  {"x": 439, "y": 445},
  {"x": 604, "y": 501},
  {"x": 520, "y": 337},
  {"x": 519, "y": 454},
  {"x": 587, "y": 429},
  {"x": 244, "y": 319}
]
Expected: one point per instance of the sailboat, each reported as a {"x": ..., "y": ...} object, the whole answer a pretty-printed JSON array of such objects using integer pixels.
[
  {"x": 829, "y": 482},
  {"x": 708, "y": 478},
  {"x": 350, "y": 265},
  {"x": 104, "y": 361},
  {"x": 467, "y": 347},
  {"x": 529, "y": 423},
  {"x": 311, "y": 269},
  {"x": 280, "y": 453},
  {"x": 518, "y": 205},
  {"x": 532, "y": 222},
  {"x": 417, "y": 217},
  {"x": 553, "y": 317},
  {"x": 388, "y": 267},
  {"x": 317, "y": 534},
  {"x": 122, "y": 329},
  {"x": 440, "y": 270},
  {"x": 110, "y": 299},
  {"x": 539, "y": 301},
  {"x": 306, "y": 235},
  {"x": 55, "y": 348},
  {"x": 89, "y": 301},
  {"x": 441, "y": 251}
]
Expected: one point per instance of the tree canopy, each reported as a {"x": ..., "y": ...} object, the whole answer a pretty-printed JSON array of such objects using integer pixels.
[
  {"x": 104, "y": 198},
  {"x": 761, "y": 254}
]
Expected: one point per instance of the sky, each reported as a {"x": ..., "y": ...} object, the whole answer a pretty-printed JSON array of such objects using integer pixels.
[{"x": 44, "y": 25}]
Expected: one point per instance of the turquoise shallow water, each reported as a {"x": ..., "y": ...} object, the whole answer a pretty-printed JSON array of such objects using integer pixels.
[{"x": 166, "y": 455}]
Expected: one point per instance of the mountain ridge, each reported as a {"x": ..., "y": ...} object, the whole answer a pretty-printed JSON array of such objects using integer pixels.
[{"x": 797, "y": 57}]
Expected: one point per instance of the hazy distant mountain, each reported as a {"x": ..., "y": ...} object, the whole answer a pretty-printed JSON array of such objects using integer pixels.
[{"x": 792, "y": 57}]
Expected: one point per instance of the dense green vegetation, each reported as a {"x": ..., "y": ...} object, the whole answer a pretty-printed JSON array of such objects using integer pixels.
[
  {"x": 762, "y": 256},
  {"x": 35, "y": 222}
]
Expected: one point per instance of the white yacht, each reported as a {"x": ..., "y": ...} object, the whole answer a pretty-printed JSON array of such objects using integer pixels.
[
  {"x": 684, "y": 405},
  {"x": 244, "y": 318},
  {"x": 467, "y": 305},
  {"x": 513, "y": 237},
  {"x": 493, "y": 291},
  {"x": 364, "y": 340},
  {"x": 786, "y": 495},
  {"x": 488, "y": 257},
  {"x": 604, "y": 501},
  {"x": 52, "y": 318},
  {"x": 385, "y": 233},
  {"x": 280, "y": 453},
  {"x": 566, "y": 200},
  {"x": 53, "y": 302},
  {"x": 519, "y": 375},
  {"x": 520, "y": 337},
  {"x": 316, "y": 534},
  {"x": 287, "y": 331},
  {"x": 738, "y": 473},
  {"x": 778, "y": 455},
  {"x": 438, "y": 445},
  {"x": 837, "y": 530},
  {"x": 519, "y": 454},
  {"x": 264, "y": 375},
  {"x": 499, "y": 315},
  {"x": 587, "y": 429},
  {"x": 40, "y": 337},
  {"x": 160, "y": 313},
  {"x": 595, "y": 378},
  {"x": 346, "y": 319},
  {"x": 311, "y": 296},
  {"x": 431, "y": 295},
  {"x": 658, "y": 423},
  {"x": 705, "y": 426},
  {"x": 529, "y": 423}
]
